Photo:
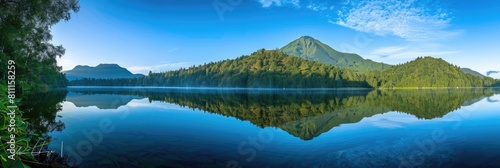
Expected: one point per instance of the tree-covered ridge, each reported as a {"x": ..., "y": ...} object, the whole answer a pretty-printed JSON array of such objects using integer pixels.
[
  {"x": 262, "y": 69},
  {"x": 311, "y": 49},
  {"x": 428, "y": 72}
]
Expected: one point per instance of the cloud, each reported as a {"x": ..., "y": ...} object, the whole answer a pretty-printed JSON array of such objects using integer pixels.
[
  {"x": 172, "y": 50},
  {"x": 411, "y": 20},
  {"x": 413, "y": 54},
  {"x": 407, "y": 52},
  {"x": 158, "y": 68},
  {"x": 388, "y": 50},
  {"x": 491, "y": 72},
  {"x": 319, "y": 7},
  {"x": 387, "y": 124},
  {"x": 391, "y": 120},
  {"x": 491, "y": 100},
  {"x": 269, "y": 3}
]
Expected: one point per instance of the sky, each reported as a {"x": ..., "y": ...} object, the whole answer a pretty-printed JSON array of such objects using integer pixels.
[{"x": 162, "y": 35}]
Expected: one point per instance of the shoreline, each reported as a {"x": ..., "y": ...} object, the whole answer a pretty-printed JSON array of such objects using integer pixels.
[
  {"x": 218, "y": 88},
  {"x": 237, "y": 88},
  {"x": 428, "y": 88}
]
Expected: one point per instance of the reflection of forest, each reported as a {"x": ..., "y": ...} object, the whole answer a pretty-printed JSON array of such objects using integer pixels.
[
  {"x": 40, "y": 112},
  {"x": 307, "y": 114}
]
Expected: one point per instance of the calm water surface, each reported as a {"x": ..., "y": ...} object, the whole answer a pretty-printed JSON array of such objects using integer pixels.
[{"x": 158, "y": 127}]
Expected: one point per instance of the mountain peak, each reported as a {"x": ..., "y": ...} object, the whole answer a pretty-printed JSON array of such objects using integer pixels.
[
  {"x": 309, "y": 48},
  {"x": 109, "y": 65},
  {"x": 307, "y": 37}
]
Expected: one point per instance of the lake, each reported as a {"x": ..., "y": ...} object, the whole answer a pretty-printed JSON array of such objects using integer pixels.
[{"x": 180, "y": 127}]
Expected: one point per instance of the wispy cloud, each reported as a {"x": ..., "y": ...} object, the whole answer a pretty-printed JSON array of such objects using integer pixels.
[
  {"x": 158, "y": 68},
  {"x": 319, "y": 7},
  {"x": 413, "y": 54},
  {"x": 391, "y": 120},
  {"x": 412, "y": 20},
  {"x": 489, "y": 73},
  {"x": 407, "y": 52},
  {"x": 172, "y": 50},
  {"x": 389, "y": 50},
  {"x": 491, "y": 100},
  {"x": 269, "y": 3}
]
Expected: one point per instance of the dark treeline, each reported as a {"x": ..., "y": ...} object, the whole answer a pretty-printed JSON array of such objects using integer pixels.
[
  {"x": 307, "y": 115},
  {"x": 262, "y": 69}
]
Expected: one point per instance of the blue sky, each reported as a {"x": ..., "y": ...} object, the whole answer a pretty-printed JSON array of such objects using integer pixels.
[{"x": 161, "y": 35}]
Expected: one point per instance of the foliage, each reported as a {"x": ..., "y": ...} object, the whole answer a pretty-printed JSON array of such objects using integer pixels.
[
  {"x": 21, "y": 140},
  {"x": 311, "y": 49},
  {"x": 25, "y": 38},
  {"x": 428, "y": 72},
  {"x": 262, "y": 69},
  {"x": 34, "y": 120},
  {"x": 41, "y": 112}
]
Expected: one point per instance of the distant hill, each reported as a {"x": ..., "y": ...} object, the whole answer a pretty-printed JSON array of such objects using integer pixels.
[
  {"x": 430, "y": 72},
  {"x": 101, "y": 71},
  {"x": 472, "y": 72},
  {"x": 311, "y": 49}
]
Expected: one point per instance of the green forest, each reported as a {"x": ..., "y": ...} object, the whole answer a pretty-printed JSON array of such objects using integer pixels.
[
  {"x": 274, "y": 69},
  {"x": 262, "y": 69},
  {"x": 430, "y": 72},
  {"x": 27, "y": 51}
]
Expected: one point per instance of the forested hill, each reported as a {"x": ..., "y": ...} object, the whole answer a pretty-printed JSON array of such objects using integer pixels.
[
  {"x": 262, "y": 69},
  {"x": 311, "y": 49},
  {"x": 430, "y": 72}
]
